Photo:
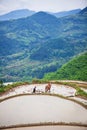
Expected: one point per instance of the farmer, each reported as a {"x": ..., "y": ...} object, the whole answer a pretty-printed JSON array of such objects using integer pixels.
[{"x": 34, "y": 89}]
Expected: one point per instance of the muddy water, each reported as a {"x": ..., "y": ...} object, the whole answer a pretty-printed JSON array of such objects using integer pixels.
[
  {"x": 51, "y": 128},
  {"x": 36, "y": 109}
]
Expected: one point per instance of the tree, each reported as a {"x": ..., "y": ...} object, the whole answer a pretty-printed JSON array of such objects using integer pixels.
[{"x": 1, "y": 83}]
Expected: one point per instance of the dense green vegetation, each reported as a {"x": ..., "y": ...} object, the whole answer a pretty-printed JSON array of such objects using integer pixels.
[
  {"x": 33, "y": 46},
  {"x": 81, "y": 93},
  {"x": 1, "y": 83},
  {"x": 75, "y": 69}
]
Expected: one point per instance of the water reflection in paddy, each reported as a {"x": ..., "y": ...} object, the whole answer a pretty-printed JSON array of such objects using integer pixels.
[
  {"x": 51, "y": 128},
  {"x": 36, "y": 109}
]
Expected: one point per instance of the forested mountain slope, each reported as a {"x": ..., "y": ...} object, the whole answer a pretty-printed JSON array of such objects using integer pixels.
[{"x": 75, "y": 69}]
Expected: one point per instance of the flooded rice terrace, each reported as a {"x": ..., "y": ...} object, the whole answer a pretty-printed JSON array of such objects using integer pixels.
[
  {"x": 50, "y": 128},
  {"x": 40, "y": 109},
  {"x": 55, "y": 89}
]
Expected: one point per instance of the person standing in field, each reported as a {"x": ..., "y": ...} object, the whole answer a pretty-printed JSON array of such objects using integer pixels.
[{"x": 34, "y": 89}]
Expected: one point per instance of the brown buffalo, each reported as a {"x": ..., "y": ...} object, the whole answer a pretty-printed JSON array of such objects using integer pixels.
[{"x": 48, "y": 87}]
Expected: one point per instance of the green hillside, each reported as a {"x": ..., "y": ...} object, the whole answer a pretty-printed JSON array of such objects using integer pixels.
[
  {"x": 41, "y": 43},
  {"x": 75, "y": 69}
]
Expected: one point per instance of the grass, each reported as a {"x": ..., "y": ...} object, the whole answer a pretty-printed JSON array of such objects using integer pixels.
[
  {"x": 77, "y": 86},
  {"x": 10, "y": 86},
  {"x": 35, "y": 80},
  {"x": 80, "y": 92}
]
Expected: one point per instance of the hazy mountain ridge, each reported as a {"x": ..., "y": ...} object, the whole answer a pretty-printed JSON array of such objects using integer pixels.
[
  {"x": 16, "y": 14},
  {"x": 67, "y": 13},
  {"x": 83, "y": 11},
  {"x": 41, "y": 43}
]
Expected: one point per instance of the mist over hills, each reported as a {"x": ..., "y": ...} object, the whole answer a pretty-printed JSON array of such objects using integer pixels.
[
  {"x": 22, "y": 13},
  {"x": 83, "y": 11},
  {"x": 41, "y": 43},
  {"x": 16, "y": 14},
  {"x": 67, "y": 13}
]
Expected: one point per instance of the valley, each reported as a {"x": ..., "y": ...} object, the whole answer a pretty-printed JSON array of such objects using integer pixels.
[
  {"x": 43, "y": 65},
  {"x": 33, "y": 46}
]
